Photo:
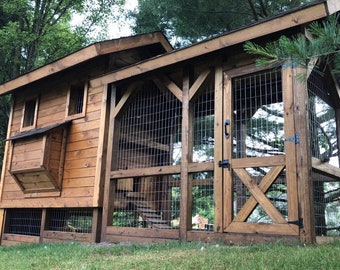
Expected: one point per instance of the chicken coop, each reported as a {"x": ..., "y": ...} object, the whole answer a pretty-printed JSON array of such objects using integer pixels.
[{"x": 130, "y": 140}]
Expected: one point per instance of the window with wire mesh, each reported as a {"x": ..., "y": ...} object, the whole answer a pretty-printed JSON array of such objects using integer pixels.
[
  {"x": 30, "y": 111},
  {"x": 77, "y": 220},
  {"x": 324, "y": 146},
  {"x": 23, "y": 221},
  {"x": 76, "y": 99},
  {"x": 203, "y": 201},
  {"x": 150, "y": 131},
  {"x": 259, "y": 132},
  {"x": 147, "y": 202}
]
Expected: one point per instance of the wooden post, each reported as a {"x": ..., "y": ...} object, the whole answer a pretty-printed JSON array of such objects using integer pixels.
[
  {"x": 218, "y": 153},
  {"x": 228, "y": 207},
  {"x": 42, "y": 225},
  {"x": 290, "y": 146},
  {"x": 107, "y": 181},
  {"x": 185, "y": 208},
  {"x": 303, "y": 157},
  {"x": 2, "y": 222}
]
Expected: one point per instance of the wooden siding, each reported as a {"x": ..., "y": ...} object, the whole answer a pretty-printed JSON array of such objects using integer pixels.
[{"x": 81, "y": 154}]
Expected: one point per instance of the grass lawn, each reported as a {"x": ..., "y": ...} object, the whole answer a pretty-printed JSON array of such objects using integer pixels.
[{"x": 174, "y": 255}]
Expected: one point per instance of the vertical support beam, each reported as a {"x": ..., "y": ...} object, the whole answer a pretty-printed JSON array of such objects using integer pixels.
[
  {"x": 228, "y": 151},
  {"x": 303, "y": 158},
  {"x": 218, "y": 150},
  {"x": 185, "y": 208},
  {"x": 2, "y": 222},
  {"x": 107, "y": 181},
  {"x": 7, "y": 155},
  {"x": 290, "y": 146},
  {"x": 43, "y": 225},
  {"x": 96, "y": 224}
]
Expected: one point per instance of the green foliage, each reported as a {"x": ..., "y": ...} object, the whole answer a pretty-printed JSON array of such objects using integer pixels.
[
  {"x": 323, "y": 45},
  {"x": 186, "y": 22}
]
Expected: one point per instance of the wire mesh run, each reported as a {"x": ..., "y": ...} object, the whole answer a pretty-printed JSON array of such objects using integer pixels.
[
  {"x": 147, "y": 202},
  {"x": 203, "y": 201},
  {"x": 23, "y": 221},
  {"x": 324, "y": 147},
  {"x": 203, "y": 147},
  {"x": 77, "y": 220},
  {"x": 150, "y": 131}
]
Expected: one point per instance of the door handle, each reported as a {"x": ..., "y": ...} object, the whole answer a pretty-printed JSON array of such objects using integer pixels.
[{"x": 226, "y": 124}]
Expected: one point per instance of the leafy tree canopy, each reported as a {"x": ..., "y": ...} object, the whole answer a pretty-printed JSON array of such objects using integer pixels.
[{"x": 189, "y": 21}]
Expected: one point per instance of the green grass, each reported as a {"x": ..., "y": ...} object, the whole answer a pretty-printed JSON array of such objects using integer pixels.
[{"x": 172, "y": 255}]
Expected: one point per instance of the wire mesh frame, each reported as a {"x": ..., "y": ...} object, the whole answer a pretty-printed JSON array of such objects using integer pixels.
[
  {"x": 259, "y": 132},
  {"x": 23, "y": 221},
  {"x": 324, "y": 146},
  {"x": 147, "y": 202},
  {"x": 149, "y": 136},
  {"x": 203, "y": 151},
  {"x": 150, "y": 130},
  {"x": 78, "y": 220}
]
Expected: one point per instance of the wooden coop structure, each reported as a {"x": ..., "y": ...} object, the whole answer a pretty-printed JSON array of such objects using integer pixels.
[{"x": 130, "y": 140}]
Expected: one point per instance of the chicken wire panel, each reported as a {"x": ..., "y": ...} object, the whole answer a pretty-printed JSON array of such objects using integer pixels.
[
  {"x": 203, "y": 147},
  {"x": 323, "y": 135},
  {"x": 23, "y": 221},
  {"x": 326, "y": 206},
  {"x": 150, "y": 131},
  {"x": 277, "y": 194},
  {"x": 203, "y": 200},
  {"x": 324, "y": 146},
  {"x": 258, "y": 115},
  {"x": 147, "y": 202},
  {"x": 70, "y": 220}
]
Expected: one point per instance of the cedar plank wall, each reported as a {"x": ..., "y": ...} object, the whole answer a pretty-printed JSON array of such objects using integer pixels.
[{"x": 81, "y": 150}]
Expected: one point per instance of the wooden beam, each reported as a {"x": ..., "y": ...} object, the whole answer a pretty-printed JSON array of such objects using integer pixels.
[
  {"x": 164, "y": 81},
  {"x": 162, "y": 170},
  {"x": 264, "y": 185},
  {"x": 287, "y": 20},
  {"x": 197, "y": 84},
  {"x": 102, "y": 149},
  {"x": 303, "y": 156},
  {"x": 108, "y": 161},
  {"x": 227, "y": 146},
  {"x": 260, "y": 197},
  {"x": 7, "y": 153},
  {"x": 325, "y": 169},
  {"x": 290, "y": 147},
  {"x": 185, "y": 200},
  {"x": 123, "y": 100},
  {"x": 218, "y": 151}
]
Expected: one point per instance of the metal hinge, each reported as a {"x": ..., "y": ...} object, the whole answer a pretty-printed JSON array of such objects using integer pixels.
[
  {"x": 224, "y": 163},
  {"x": 295, "y": 138},
  {"x": 298, "y": 222}
]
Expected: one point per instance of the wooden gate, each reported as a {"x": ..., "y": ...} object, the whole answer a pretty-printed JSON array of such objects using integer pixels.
[{"x": 259, "y": 144}]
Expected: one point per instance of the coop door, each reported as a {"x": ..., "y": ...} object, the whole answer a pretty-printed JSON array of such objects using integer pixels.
[{"x": 259, "y": 190}]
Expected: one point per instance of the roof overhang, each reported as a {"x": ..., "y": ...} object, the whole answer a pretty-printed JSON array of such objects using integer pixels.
[
  {"x": 85, "y": 54},
  {"x": 297, "y": 17}
]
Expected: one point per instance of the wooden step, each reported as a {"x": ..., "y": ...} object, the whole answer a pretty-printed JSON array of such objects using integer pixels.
[
  {"x": 146, "y": 210},
  {"x": 156, "y": 221},
  {"x": 161, "y": 226}
]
